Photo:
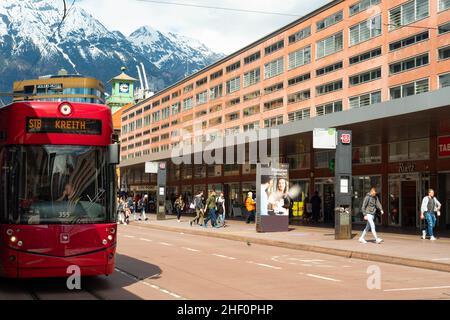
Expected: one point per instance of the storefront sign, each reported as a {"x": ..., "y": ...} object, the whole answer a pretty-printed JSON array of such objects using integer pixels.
[
  {"x": 444, "y": 146},
  {"x": 407, "y": 167}
]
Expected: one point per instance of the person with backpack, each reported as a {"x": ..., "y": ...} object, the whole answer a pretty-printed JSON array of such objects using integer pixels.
[
  {"x": 197, "y": 205},
  {"x": 179, "y": 206},
  {"x": 369, "y": 209},
  {"x": 211, "y": 207},
  {"x": 430, "y": 207},
  {"x": 140, "y": 208},
  {"x": 220, "y": 205}
]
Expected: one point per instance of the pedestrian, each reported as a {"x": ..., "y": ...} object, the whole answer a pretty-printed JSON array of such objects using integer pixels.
[
  {"x": 140, "y": 209},
  {"x": 316, "y": 204},
  {"x": 369, "y": 209},
  {"x": 430, "y": 207},
  {"x": 250, "y": 206},
  {"x": 179, "y": 207},
  {"x": 220, "y": 205},
  {"x": 210, "y": 207},
  {"x": 197, "y": 205}
]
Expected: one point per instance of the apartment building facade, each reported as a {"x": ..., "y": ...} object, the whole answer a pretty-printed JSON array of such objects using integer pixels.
[{"x": 379, "y": 68}]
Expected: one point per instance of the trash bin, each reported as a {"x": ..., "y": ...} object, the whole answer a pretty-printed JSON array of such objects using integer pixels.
[{"x": 343, "y": 223}]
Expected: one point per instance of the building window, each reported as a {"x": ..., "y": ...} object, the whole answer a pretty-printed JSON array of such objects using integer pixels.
[
  {"x": 444, "y": 53},
  {"x": 322, "y": 158},
  {"x": 216, "y": 75},
  {"x": 328, "y": 46},
  {"x": 329, "y": 87},
  {"x": 215, "y": 121},
  {"x": 299, "y": 115},
  {"x": 274, "y": 68},
  {"x": 215, "y": 108},
  {"x": 233, "y": 67},
  {"x": 252, "y": 77},
  {"x": 365, "y": 30},
  {"x": 252, "y": 58},
  {"x": 216, "y": 92},
  {"x": 408, "y": 13},
  {"x": 232, "y": 116},
  {"x": 165, "y": 99},
  {"x": 139, "y": 123},
  {"x": 328, "y": 69},
  {"x": 299, "y": 58},
  {"x": 365, "y": 100},
  {"x": 274, "y": 104},
  {"x": 251, "y": 126},
  {"x": 233, "y": 102},
  {"x": 146, "y": 108},
  {"x": 156, "y": 116},
  {"x": 274, "y": 47},
  {"x": 329, "y": 21},
  {"x": 165, "y": 113},
  {"x": 444, "y": 80},
  {"x": 176, "y": 108},
  {"x": 444, "y": 28},
  {"x": 367, "y": 154},
  {"x": 444, "y": 5},
  {"x": 176, "y": 94},
  {"x": 201, "y": 82},
  {"x": 273, "y": 122},
  {"x": 156, "y": 104},
  {"x": 365, "y": 77},
  {"x": 233, "y": 85},
  {"x": 274, "y": 88},
  {"x": 300, "y": 35},
  {"x": 299, "y": 79},
  {"x": 250, "y": 111},
  {"x": 409, "y": 41},
  {"x": 188, "y": 88},
  {"x": 362, "y": 5},
  {"x": 188, "y": 104},
  {"x": 329, "y": 108},
  {"x": 409, "y": 150},
  {"x": 409, "y": 64},
  {"x": 131, "y": 127},
  {"x": 252, "y": 95},
  {"x": 202, "y": 97},
  {"x": 299, "y": 96},
  {"x": 409, "y": 89}
]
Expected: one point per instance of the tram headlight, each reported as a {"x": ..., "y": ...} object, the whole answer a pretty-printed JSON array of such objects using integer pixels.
[
  {"x": 9, "y": 232},
  {"x": 112, "y": 230},
  {"x": 104, "y": 242},
  {"x": 110, "y": 237},
  {"x": 13, "y": 239}
]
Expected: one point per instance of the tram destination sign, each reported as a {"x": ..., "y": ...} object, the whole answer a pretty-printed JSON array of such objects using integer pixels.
[{"x": 64, "y": 126}]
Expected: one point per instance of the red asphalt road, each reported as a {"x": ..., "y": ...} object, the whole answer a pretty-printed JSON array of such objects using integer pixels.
[{"x": 157, "y": 265}]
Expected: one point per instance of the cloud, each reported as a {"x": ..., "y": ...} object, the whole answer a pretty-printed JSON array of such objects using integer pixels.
[{"x": 222, "y": 31}]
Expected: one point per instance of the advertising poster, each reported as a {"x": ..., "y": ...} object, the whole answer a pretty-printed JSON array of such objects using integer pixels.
[{"x": 273, "y": 201}]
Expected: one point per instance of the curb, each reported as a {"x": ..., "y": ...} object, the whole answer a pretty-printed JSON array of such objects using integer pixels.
[{"x": 408, "y": 262}]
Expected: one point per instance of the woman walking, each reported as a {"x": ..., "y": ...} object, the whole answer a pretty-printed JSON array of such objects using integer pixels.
[
  {"x": 369, "y": 209},
  {"x": 179, "y": 206},
  {"x": 220, "y": 205}
]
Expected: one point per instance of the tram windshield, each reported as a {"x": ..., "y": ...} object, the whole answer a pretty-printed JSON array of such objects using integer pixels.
[{"x": 54, "y": 184}]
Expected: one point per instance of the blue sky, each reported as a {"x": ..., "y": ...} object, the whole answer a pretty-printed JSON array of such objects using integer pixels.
[{"x": 222, "y": 31}]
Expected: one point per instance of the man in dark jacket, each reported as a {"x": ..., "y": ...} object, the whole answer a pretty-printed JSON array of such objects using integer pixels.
[
  {"x": 369, "y": 209},
  {"x": 198, "y": 207}
]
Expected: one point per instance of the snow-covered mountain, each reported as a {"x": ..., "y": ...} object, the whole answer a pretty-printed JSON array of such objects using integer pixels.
[{"x": 31, "y": 44}]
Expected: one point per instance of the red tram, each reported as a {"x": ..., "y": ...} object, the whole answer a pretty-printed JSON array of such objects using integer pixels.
[{"x": 57, "y": 189}]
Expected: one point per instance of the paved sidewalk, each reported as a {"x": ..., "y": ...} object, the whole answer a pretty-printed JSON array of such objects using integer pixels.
[{"x": 408, "y": 250}]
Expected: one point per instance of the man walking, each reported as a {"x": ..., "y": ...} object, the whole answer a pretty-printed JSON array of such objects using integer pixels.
[
  {"x": 369, "y": 209},
  {"x": 198, "y": 207},
  {"x": 211, "y": 207},
  {"x": 179, "y": 207},
  {"x": 250, "y": 205},
  {"x": 430, "y": 206}
]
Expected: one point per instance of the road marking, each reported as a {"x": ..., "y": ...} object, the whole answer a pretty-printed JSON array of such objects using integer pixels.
[
  {"x": 146, "y": 240},
  {"x": 417, "y": 289},
  {"x": 441, "y": 259},
  {"x": 166, "y": 244},
  {"x": 131, "y": 237},
  {"x": 222, "y": 256},
  {"x": 142, "y": 281},
  {"x": 321, "y": 277},
  {"x": 190, "y": 249},
  {"x": 264, "y": 265}
]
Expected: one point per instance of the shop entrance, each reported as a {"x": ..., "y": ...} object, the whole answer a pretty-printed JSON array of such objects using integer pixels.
[
  {"x": 444, "y": 197},
  {"x": 325, "y": 188},
  {"x": 405, "y": 197}
]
